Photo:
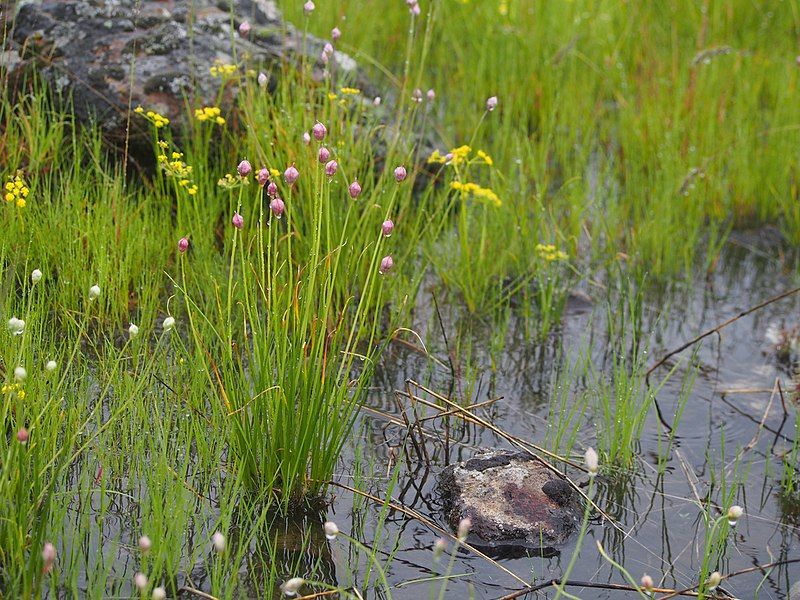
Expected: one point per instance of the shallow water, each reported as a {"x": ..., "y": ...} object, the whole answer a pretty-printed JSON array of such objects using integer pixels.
[{"x": 659, "y": 526}]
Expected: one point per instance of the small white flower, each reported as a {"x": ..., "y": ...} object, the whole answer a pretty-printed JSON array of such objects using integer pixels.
[
  {"x": 218, "y": 541},
  {"x": 140, "y": 581},
  {"x": 50, "y": 366},
  {"x": 713, "y": 581},
  {"x": 262, "y": 79},
  {"x": 20, "y": 373},
  {"x": 735, "y": 513},
  {"x": 159, "y": 593},
  {"x": 463, "y": 528},
  {"x": 169, "y": 323},
  {"x": 133, "y": 330},
  {"x": 591, "y": 461},
  {"x": 331, "y": 530},
  {"x": 16, "y": 326},
  {"x": 376, "y": 101},
  {"x": 94, "y": 292},
  {"x": 291, "y": 587},
  {"x": 36, "y": 276},
  {"x": 145, "y": 544}
]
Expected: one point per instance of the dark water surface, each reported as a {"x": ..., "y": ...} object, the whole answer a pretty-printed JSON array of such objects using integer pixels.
[{"x": 660, "y": 528}]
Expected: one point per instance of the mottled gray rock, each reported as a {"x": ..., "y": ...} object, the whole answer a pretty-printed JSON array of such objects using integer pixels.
[
  {"x": 512, "y": 499},
  {"x": 794, "y": 593},
  {"x": 111, "y": 54}
]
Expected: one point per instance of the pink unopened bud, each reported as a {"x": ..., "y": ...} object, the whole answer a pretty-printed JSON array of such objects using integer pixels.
[
  {"x": 415, "y": 10},
  {"x": 376, "y": 101},
  {"x": 327, "y": 49},
  {"x": 491, "y": 103},
  {"x": 48, "y": 556},
  {"x": 416, "y": 95},
  {"x": 263, "y": 176},
  {"x": 244, "y": 168},
  {"x": 354, "y": 189},
  {"x": 290, "y": 175},
  {"x": 22, "y": 436},
  {"x": 306, "y": 138},
  {"x": 244, "y": 28},
  {"x": 330, "y": 168},
  {"x": 183, "y": 244},
  {"x": 387, "y": 227},
  {"x": 324, "y": 155},
  {"x": 277, "y": 207},
  {"x": 335, "y": 34},
  {"x": 386, "y": 265},
  {"x": 324, "y": 58},
  {"x": 431, "y": 95},
  {"x": 319, "y": 131},
  {"x": 145, "y": 544},
  {"x": 400, "y": 173},
  {"x": 262, "y": 79},
  {"x": 238, "y": 220},
  {"x": 272, "y": 189},
  {"x": 309, "y": 7}
]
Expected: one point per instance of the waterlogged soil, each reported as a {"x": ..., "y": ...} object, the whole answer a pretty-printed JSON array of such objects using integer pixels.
[
  {"x": 731, "y": 429},
  {"x": 730, "y": 432}
]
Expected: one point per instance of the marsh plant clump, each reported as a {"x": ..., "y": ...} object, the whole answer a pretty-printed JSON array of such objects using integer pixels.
[{"x": 197, "y": 357}]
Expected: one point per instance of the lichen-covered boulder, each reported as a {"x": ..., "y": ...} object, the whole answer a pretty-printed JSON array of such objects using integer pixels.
[
  {"x": 109, "y": 56},
  {"x": 513, "y": 500}
]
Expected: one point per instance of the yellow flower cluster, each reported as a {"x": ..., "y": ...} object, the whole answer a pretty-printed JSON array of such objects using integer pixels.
[
  {"x": 478, "y": 192},
  {"x": 156, "y": 119},
  {"x": 14, "y": 388},
  {"x": 209, "y": 113},
  {"x": 549, "y": 253},
  {"x": 230, "y": 182},
  {"x": 348, "y": 91},
  {"x": 16, "y": 190},
  {"x": 460, "y": 155},
  {"x": 174, "y": 166},
  {"x": 222, "y": 70}
]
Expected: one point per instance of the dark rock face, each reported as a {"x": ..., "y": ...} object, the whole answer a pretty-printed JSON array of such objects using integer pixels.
[
  {"x": 516, "y": 504},
  {"x": 109, "y": 55}
]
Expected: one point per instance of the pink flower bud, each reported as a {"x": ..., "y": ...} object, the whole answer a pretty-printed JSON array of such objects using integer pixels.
[
  {"x": 306, "y": 138},
  {"x": 277, "y": 207},
  {"x": 183, "y": 244},
  {"x": 244, "y": 168},
  {"x": 324, "y": 58},
  {"x": 387, "y": 227},
  {"x": 22, "y": 436},
  {"x": 431, "y": 95},
  {"x": 327, "y": 49},
  {"x": 262, "y": 79},
  {"x": 319, "y": 131},
  {"x": 416, "y": 95},
  {"x": 145, "y": 544},
  {"x": 48, "y": 557},
  {"x": 376, "y": 101},
  {"x": 309, "y": 7},
  {"x": 244, "y": 29},
  {"x": 386, "y": 264},
  {"x": 238, "y": 220},
  {"x": 330, "y": 168},
  {"x": 400, "y": 173},
  {"x": 415, "y": 10},
  {"x": 335, "y": 34},
  {"x": 290, "y": 175},
  {"x": 324, "y": 155},
  {"x": 491, "y": 103},
  {"x": 272, "y": 189},
  {"x": 354, "y": 189},
  {"x": 263, "y": 176}
]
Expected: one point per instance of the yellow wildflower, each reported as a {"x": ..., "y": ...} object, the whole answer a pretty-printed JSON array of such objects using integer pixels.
[
  {"x": 485, "y": 157},
  {"x": 436, "y": 158},
  {"x": 459, "y": 155},
  {"x": 16, "y": 190},
  {"x": 209, "y": 113},
  {"x": 479, "y": 193},
  {"x": 332, "y": 96},
  {"x": 230, "y": 182},
  {"x": 156, "y": 119},
  {"x": 549, "y": 252},
  {"x": 274, "y": 173},
  {"x": 348, "y": 91},
  {"x": 222, "y": 70}
]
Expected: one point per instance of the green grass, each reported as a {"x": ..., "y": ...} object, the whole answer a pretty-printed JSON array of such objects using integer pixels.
[{"x": 628, "y": 141}]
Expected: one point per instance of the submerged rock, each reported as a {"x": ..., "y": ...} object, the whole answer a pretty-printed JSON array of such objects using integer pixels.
[
  {"x": 514, "y": 501},
  {"x": 112, "y": 55}
]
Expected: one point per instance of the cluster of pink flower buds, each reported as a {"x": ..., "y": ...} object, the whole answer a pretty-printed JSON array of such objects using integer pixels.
[
  {"x": 320, "y": 131},
  {"x": 330, "y": 168},
  {"x": 308, "y": 7},
  {"x": 263, "y": 176},
  {"x": 277, "y": 207},
  {"x": 354, "y": 190},
  {"x": 400, "y": 173},
  {"x": 327, "y": 52},
  {"x": 238, "y": 220},
  {"x": 244, "y": 29},
  {"x": 324, "y": 155},
  {"x": 291, "y": 175},
  {"x": 244, "y": 168},
  {"x": 335, "y": 34},
  {"x": 491, "y": 103},
  {"x": 183, "y": 244}
]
